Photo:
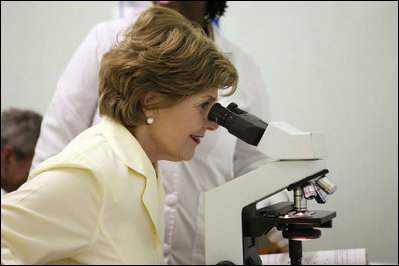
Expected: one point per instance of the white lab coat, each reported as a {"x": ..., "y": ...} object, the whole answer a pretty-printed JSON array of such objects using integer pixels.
[{"x": 219, "y": 158}]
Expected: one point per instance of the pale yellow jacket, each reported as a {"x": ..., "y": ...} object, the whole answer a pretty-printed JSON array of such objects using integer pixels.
[{"x": 99, "y": 201}]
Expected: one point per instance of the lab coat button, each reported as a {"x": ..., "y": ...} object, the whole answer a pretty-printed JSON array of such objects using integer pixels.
[
  {"x": 171, "y": 199},
  {"x": 167, "y": 248}
]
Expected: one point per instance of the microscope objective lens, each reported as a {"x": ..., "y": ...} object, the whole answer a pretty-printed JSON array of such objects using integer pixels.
[
  {"x": 299, "y": 201},
  {"x": 325, "y": 184},
  {"x": 309, "y": 191},
  {"x": 321, "y": 195}
]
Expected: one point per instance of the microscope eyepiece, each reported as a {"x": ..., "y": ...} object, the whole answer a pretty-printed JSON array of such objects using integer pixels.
[
  {"x": 218, "y": 114},
  {"x": 234, "y": 107},
  {"x": 239, "y": 123}
]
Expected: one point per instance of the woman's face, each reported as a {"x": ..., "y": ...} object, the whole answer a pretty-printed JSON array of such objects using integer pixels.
[{"x": 177, "y": 130}]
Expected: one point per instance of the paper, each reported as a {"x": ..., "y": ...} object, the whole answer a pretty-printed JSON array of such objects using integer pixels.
[{"x": 325, "y": 257}]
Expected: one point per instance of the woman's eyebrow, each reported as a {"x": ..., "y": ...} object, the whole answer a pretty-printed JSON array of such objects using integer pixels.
[{"x": 210, "y": 97}]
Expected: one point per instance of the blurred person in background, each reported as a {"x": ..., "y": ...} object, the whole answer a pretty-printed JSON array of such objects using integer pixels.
[
  {"x": 20, "y": 130},
  {"x": 221, "y": 156}
]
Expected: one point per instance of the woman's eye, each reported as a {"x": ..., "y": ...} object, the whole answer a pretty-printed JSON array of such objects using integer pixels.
[{"x": 204, "y": 105}]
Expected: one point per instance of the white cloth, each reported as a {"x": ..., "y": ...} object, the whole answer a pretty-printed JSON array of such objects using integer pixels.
[{"x": 219, "y": 158}]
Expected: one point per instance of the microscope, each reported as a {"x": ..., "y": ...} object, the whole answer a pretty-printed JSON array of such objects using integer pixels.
[{"x": 233, "y": 223}]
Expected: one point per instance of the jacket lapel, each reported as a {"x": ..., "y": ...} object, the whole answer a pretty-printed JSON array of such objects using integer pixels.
[{"x": 133, "y": 155}]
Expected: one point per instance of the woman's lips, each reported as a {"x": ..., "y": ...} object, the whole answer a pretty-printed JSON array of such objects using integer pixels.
[{"x": 196, "y": 139}]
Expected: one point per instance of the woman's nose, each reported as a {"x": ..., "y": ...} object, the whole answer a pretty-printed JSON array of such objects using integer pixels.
[{"x": 210, "y": 125}]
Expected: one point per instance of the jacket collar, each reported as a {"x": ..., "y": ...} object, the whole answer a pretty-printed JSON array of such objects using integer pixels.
[
  {"x": 133, "y": 156},
  {"x": 127, "y": 147}
]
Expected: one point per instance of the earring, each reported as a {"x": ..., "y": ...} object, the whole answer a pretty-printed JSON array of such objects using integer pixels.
[{"x": 150, "y": 120}]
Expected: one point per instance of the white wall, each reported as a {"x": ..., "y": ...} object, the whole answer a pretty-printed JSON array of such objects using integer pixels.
[
  {"x": 329, "y": 66},
  {"x": 37, "y": 40},
  {"x": 332, "y": 67}
]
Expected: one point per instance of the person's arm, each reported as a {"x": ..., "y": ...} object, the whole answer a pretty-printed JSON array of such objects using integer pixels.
[
  {"x": 246, "y": 156},
  {"x": 53, "y": 216},
  {"x": 74, "y": 103}
]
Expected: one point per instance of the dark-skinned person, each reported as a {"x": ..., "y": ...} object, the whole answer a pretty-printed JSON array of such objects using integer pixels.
[{"x": 220, "y": 158}]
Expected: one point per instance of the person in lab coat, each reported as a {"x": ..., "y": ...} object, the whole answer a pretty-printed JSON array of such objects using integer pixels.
[
  {"x": 101, "y": 199},
  {"x": 220, "y": 158}
]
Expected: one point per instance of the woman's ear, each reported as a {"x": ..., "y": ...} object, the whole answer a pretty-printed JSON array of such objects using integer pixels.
[{"x": 149, "y": 101}]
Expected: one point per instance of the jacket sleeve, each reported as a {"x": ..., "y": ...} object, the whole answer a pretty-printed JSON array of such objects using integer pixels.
[
  {"x": 74, "y": 103},
  {"x": 53, "y": 216}
]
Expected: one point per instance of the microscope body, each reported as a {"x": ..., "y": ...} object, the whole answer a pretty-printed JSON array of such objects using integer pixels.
[{"x": 298, "y": 159}]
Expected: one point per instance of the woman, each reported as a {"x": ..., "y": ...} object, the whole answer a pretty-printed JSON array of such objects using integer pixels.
[{"x": 100, "y": 200}]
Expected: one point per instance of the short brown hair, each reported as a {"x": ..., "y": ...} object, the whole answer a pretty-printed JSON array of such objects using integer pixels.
[{"x": 164, "y": 53}]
